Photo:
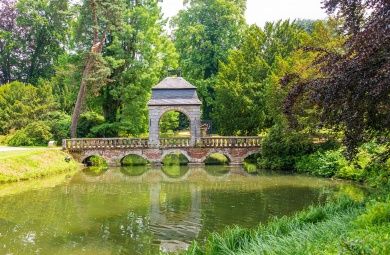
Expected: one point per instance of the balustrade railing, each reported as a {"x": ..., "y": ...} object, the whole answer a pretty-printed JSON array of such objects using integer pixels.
[
  {"x": 232, "y": 141},
  {"x": 174, "y": 142},
  {"x": 104, "y": 143}
]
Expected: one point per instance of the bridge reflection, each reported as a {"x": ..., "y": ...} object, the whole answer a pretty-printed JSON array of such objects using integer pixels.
[
  {"x": 142, "y": 212},
  {"x": 173, "y": 219},
  {"x": 173, "y": 173},
  {"x": 174, "y": 197}
]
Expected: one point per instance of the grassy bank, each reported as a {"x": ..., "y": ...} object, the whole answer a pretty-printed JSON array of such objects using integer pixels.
[
  {"x": 348, "y": 224},
  {"x": 33, "y": 163},
  {"x": 344, "y": 226}
]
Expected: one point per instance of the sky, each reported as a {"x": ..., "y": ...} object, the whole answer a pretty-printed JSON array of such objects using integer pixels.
[{"x": 260, "y": 11}]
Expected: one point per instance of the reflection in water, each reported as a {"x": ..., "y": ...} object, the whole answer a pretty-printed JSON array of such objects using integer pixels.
[
  {"x": 143, "y": 211},
  {"x": 134, "y": 170},
  {"x": 95, "y": 170},
  {"x": 215, "y": 170},
  {"x": 175, "y": 171}
]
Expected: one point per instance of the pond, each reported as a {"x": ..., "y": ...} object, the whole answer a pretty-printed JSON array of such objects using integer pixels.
[{"x": 142, "y": 210}]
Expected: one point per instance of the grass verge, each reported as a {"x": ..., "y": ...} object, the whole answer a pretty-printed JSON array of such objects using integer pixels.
[
  {"x": 34, "y": 163},
  {"x": 343, "y": 226}
]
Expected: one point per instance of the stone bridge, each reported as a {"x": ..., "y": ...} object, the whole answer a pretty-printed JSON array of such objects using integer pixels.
[{"x": 113, "y": 150}]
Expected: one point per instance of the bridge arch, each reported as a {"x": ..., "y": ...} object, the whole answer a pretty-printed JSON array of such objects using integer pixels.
[
  {"x": 134, "y": 153},
  {"x": 220, "y": 151},
  {"x": 213, "y": 158},
  {"x": 175, "y": 151},
  {"x": 85, "y": 159},
  {"x": 250, "y": 153}
]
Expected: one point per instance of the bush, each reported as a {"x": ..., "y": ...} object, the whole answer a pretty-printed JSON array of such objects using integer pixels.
[
  {"x": 281, "y": 148},
  {"x": 4, "y": 139},
  {"x": 34, "y": 134},
  {"x": 371, "y": 164},
  {"x": 21, "y": 104},
  {"x": 377, "y": 213},
  {"x": 59, "y": 125},
  {"x": 106, "y": 130},
  {"x": 88, "y": 120},
  {"x": 324, "y": 164}
]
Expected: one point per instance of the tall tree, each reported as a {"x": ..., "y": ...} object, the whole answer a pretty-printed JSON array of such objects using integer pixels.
[
  {"x": 204, "y": 33},
  {"x": 243, "y": 83},
  {"x": 99, "y": 18},
  {"x": 353, "y": 91},
  {"x": 32, "y": 36},
  {"x": 138, "y": 55}
]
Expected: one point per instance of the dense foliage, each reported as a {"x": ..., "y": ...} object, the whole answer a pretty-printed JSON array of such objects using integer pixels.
[
  {"x": 33, "y": 34},
  {"x": 353, "y": 91},
  {"x": 21, "y": 104},
  {"x": 203, "y": 34}
]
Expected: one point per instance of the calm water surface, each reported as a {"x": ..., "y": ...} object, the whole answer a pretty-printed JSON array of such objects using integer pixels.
[{"x": 142, "y": 210}]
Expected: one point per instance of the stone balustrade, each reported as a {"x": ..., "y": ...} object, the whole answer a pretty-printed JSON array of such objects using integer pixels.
[
  {"x": 174, "y": 142},
  {"x": 104, "y": 143},
  {"x": 230, "y": 141}
]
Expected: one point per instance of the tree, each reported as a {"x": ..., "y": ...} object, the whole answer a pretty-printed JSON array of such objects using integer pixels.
[
  {"x": 239, "y": 105},
  {"x": 353, "y": 91},
  {"x": 21, "y": 104},
  {"x": 32, "y": 36},
  {"x": 203, "y": 34},
  {"x": 102, "y": 17},
  {"x": 138, "y": 55},
  {"x": 245, "y": 84}
]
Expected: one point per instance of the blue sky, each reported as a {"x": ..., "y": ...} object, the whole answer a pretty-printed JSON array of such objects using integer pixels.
[{"x": 260, "y": 11}]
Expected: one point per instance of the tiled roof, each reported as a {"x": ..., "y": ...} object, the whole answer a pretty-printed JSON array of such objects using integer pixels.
[{"x": 174, "y": 83}]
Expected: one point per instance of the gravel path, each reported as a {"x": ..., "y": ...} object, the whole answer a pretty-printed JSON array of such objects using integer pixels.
[{"x": 6, "y": 148}]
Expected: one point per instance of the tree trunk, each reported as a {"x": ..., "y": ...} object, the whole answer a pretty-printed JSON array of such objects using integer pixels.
[
  {"x": 80, "y": 97},
  {"x": 97, "y": 47}
]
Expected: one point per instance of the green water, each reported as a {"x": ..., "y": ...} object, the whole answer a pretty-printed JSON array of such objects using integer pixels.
[{"x": 143, "y": 211}]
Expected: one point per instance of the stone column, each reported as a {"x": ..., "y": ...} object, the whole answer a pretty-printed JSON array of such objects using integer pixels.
[
  {"x": 194, "y": 112},
  {"x": 153, "y": 126}
]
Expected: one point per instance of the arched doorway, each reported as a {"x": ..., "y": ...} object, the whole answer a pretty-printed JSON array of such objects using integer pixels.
[{"x": 174, "y": 94}]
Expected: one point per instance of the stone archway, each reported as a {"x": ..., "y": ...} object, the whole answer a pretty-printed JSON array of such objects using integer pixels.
[{"x": 174, "y": 94}]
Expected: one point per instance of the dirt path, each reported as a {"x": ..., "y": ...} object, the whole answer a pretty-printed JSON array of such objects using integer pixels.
[{"x": 6, "y": 148}]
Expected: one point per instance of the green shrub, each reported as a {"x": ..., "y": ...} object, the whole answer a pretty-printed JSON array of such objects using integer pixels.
[
  {"x": 371, "y": 164},
  {"x": 106, "y": 130},
  {"x": 59, "y": 125},
  {"x": 324, "y": 164},
  {"x": 281, "y": 148},
  {"x": 88, "y": 120},
  {"x": 377, "y": 213},
  {"x": 21, "y": 104},
  {"x": 34, "y": 134},
  {"x": 4, "y": 139}
]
